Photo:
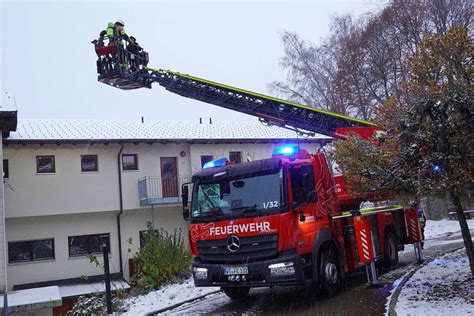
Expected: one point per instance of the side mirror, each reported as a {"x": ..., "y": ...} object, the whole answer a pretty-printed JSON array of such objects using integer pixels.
[
  {"x": 184, "y": 198},
  {"x": 184, "y": 195}
]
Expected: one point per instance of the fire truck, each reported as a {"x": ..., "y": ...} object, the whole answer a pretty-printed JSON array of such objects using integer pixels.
[{"x": 284, "y": 220}]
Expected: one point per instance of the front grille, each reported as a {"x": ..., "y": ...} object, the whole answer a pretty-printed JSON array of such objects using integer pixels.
[{"x": 251, "y": 249}]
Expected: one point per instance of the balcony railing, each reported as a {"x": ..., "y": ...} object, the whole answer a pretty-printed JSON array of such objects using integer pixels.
[{"x": 156, "y": 190}]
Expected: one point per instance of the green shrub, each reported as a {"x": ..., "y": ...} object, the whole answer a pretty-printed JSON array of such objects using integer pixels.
[
  {"x": 94, "y": 304},
  {"x": 162, "y": 258}
]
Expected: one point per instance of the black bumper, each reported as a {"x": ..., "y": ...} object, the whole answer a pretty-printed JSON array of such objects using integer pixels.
[{"x": 259, "y": 274}]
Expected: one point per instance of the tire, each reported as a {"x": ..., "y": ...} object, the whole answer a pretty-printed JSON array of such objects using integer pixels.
[
  {"x": 236, "y": 293},
  {"x": 390, "y": 259},
  {"x": 330, "y": 274}
]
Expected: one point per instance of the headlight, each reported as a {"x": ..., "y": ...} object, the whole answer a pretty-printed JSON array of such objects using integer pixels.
[
  {"x": 282, "y": 268},
  {"x": 200, "y": 273}
]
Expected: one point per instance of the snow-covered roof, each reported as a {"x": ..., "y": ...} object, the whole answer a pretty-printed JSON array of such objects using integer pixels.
[{"x": 100, "y": 130}]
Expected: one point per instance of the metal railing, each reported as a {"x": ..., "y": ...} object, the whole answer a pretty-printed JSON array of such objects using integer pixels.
[{"x": 156, "y": 190}]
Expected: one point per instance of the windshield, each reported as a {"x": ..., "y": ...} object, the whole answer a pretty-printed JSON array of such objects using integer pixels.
[{"x": 250, "y": 195}]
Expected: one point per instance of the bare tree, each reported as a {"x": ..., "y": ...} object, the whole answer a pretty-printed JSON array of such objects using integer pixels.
[
  {"x": 360, "y": 65},
  {"x": 312, "y": 69}
]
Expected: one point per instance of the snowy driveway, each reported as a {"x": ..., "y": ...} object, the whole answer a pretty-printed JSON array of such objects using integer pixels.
[{"x": 356, "y": 299}]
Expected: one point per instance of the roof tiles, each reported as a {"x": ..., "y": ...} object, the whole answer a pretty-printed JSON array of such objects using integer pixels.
[{"x": 56, "y": 130}]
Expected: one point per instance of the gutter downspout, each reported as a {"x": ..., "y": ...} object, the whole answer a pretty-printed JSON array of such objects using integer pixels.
[{"x": 121, "y": 207}]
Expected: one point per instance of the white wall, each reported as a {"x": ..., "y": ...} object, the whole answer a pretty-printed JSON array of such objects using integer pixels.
[
  {"x": 66, "y": 191},
  {"x": 60, "y": 227},
  {"x": 71, "y": 191}
]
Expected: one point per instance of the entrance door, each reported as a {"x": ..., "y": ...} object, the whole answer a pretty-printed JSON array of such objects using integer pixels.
[{"x": 169, "y": 176}]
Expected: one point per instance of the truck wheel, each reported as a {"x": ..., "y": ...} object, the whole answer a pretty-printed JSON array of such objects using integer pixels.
[
  {"x": 236, "y": 293},
  {"x": 390, "y": 260},
  {"x": 329, "y": 272}
]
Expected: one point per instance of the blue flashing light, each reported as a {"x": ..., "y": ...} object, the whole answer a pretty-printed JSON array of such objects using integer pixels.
[
  {"x": 221, "y": 162},
  {"x": 437, "y": 168},
  {"x": 287, "y": 150}
]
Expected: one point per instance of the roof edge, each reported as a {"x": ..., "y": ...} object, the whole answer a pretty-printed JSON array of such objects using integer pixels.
[{"x": 165, "y": 141}]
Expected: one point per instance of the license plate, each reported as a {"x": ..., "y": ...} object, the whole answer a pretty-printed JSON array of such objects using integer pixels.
[{"x": 236, "y": 270}]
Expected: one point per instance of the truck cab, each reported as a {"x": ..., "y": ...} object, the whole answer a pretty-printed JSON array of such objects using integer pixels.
[{"x": 265, "y": 222}]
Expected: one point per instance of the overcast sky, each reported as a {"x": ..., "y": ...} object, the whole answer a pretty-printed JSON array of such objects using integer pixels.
[{"x": 48, "y": 62}]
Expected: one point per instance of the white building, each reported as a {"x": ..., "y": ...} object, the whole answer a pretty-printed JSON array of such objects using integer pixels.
[{"x": 70, "y": 183}]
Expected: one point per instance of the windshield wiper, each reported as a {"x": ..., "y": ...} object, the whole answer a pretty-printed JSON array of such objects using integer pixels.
[
  {"x": 246, "y": 209},
  {"x": 210, "y": 216}
]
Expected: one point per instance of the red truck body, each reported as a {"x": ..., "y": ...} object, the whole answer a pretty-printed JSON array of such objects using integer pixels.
[{"x": 290, "y": 242}]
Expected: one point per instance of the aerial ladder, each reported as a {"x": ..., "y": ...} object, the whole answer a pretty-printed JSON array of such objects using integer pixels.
[{"x": 303, "y": 119}]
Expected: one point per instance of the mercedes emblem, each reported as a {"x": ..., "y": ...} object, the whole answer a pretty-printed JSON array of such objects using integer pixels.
[{"x": 233, "y": 243}]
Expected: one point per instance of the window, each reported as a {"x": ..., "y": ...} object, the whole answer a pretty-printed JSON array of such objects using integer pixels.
[
  {"x": 32, "y": 250},
  {"x": 6, "y": 171},
  {"x": 89, "y": 163},
  {"x": 45, "y": 164},
  {"x": 205, "y": 159},
  {"x": 235, "y": 156},
  {"x": 87, "y": 244},
  {"x": 130, "y": 162},
  {"x": 303, "y": 185}
]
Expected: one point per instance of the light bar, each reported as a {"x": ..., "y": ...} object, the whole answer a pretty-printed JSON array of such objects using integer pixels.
[
  {"x": 286, "y": 150},
  {"x": 437, "y": 167},
  {"x": 221, "y": 162}
]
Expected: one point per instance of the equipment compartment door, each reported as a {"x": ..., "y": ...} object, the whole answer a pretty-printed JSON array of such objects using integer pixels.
[{"x": 169, "y": 176}]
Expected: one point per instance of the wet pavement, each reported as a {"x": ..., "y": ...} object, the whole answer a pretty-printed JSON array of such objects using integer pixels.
[{"x": 354, "y": 299}]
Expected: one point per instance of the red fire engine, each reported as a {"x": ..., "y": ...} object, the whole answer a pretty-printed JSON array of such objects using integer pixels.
[{"x": 285, "y": 220}]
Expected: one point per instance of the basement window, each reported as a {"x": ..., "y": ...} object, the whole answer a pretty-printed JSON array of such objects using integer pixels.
[
  {"x": 84, "y": 245},
  {"x": 31, "y": 250},
  {"x": 45, "y": 164},
  {"x": 89, "y": 163}
]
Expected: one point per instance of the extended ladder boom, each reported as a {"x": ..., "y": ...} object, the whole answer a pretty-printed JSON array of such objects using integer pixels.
[
  {"x": 300, "y": 118},
  {"x": 273, "y": 111}
]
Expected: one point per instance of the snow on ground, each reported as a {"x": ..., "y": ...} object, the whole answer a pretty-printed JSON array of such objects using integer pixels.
[
  {"x": 166, "y": 296},
  {"x": 177, "y": 293},
  {"x": 444, "y": 227},
  {"x": 441, "y": 287}
]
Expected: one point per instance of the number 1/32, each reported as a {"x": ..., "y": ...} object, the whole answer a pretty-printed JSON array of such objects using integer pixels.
[{"x": 270, "y": 204}]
